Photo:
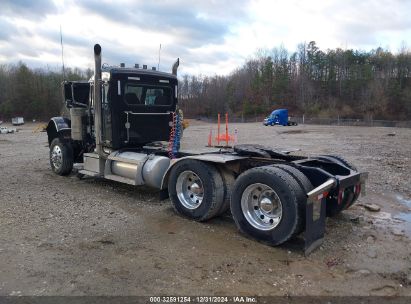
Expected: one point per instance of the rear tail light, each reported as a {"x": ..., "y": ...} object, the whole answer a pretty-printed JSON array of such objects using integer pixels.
[
  {"x": 357, "y": 189},
  {"x": 340, "y": 196}
]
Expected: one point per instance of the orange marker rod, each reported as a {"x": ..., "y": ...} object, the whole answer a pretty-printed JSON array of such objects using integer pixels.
[
  {"x": 226, "y": 129},
  {"x": 218, "y": 131}
]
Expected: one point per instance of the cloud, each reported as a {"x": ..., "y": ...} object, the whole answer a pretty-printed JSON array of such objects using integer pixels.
[
  {"x": 27, "y": 8},
  {"x": 363, "y": 22},
  {"x": 194, "y": 23},
  {"x": 7, "y": 30},
  {"x": 213, "y": 36}
]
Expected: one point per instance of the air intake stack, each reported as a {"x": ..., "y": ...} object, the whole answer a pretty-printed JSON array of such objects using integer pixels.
[{"x": 175, "y": 66}]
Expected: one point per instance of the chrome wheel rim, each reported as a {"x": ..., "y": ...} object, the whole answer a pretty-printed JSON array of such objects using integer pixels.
[
  {"x": 261, "y": 206},
  {"x": 56, "y": 157},
  {"x": 189, "y": 188}
]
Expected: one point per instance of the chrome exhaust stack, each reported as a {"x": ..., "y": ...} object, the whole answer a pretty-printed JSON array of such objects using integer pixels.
[
  {"x": 97, "y": 98},
  {"x": 94, "y": 162}
]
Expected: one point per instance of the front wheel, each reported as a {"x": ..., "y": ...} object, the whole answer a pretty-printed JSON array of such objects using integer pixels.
[
  {"x": 61, "y": 157},
  {"x": 265, "y": 204}
]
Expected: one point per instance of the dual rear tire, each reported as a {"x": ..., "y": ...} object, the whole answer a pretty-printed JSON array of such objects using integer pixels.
[
  {"x": 196, "y": 189},
  {"x": 267, "y": 203}
]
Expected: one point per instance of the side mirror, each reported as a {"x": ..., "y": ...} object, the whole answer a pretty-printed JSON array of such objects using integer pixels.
[
  {"x": 67, "y": 94},
  {"x": 69, "y": 103}
]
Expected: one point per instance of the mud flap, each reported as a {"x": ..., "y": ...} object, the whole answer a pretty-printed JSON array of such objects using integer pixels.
[{"x": 315, "y": 214}]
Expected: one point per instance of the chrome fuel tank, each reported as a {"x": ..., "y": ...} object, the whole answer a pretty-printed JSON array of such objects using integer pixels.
[
  {"x": 154, "y": 170},
  {"x": 136, "y": 168},
  {"x": 124, "y": 169}
]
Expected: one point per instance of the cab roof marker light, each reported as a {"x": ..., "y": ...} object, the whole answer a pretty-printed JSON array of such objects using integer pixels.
[
  {"x": 164, "y": 81},
  {"x": 134, "y": 78}
]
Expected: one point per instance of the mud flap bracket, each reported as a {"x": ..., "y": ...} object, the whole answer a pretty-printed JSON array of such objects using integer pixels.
[{"x": 315, "y": 214}]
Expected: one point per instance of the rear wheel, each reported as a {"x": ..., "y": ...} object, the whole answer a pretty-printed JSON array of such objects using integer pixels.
[
  {"x": 265, "y": 204},
  {"x": 343, "y": 161},
  {"x": 196, "y": 189},
  {"x": 305, "y": 186},
  {"x": 228, "y": 182},
  {"x": 61, "y": 157}
]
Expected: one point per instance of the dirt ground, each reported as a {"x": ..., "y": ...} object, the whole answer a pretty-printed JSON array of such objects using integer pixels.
[{"x": 65, "y": 236}]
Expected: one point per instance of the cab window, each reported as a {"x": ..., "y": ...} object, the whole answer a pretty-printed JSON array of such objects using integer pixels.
[{"x": 147, "y": 95}]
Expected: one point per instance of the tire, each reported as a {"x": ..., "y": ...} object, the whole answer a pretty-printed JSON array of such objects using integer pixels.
[
  {"x": 264, "y": 221},
  {"x": 228, "y": 182},
  {"x": 196, "y": 189},
  {"x": 352, "y": 167},
  {"x": 61, "y": 157},
  {"x": 305, "y": 186},
  {"x": 343, "y": 161},
  {"x": 332, "y": 206}
]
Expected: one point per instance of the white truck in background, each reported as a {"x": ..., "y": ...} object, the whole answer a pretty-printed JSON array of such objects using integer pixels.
[{"x": 17, "y": 121}]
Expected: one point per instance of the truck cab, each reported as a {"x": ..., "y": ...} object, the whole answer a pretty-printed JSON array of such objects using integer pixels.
[
  {"x": 135, "y": 109},
  {"x": 277, "y": 117}
]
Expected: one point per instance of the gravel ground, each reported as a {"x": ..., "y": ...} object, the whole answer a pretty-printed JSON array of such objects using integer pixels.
[{"x": 65, "y": 236}]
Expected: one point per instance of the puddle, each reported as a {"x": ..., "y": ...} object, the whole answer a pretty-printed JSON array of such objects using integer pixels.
[
  {"x": 405, "y": 217},
  {"x": 403, "y": 200},
  {"x": 396, "y": 214},
  {"x": 406, "y": 222}
]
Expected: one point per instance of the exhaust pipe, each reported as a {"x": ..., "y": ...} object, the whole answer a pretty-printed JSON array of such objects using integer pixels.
[
  {"x": 97, "y": 98},
  {"x": 175, "y": 66}
]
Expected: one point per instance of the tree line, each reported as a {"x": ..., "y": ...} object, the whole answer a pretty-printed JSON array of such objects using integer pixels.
[
  {"x": 336, "y": 82},
  {"x": 33, "y": 93}
]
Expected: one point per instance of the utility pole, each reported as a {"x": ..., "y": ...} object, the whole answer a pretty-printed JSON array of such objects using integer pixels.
[{"x": 62, "y": 53}]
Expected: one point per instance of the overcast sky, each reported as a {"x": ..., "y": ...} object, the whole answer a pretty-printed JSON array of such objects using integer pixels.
[{"x": 210, "y": 37}]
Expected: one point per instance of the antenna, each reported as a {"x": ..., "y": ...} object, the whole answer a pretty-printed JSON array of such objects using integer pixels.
[
  {"x": 159, "y": 52},
  {"x": 62, "y": 53}
]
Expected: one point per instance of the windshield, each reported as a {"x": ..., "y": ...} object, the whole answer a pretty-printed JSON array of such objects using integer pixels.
[{"x": 147, "y": 94}]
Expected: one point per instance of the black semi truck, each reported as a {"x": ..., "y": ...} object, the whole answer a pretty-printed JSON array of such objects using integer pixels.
[{"x": 125, "y": 126}]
